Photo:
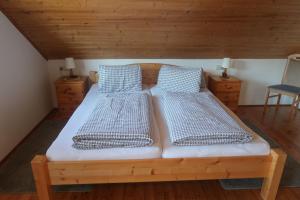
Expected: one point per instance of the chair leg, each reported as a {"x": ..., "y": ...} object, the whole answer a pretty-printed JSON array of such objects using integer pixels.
[
  {"x": 293, "y": 109},
  {"x": 293, "y": 106},
  {"x": 266, "y": 100},
  {"x": 277, "y": 103},
  {"x": 278, "y": 100},
  {"x": 297, "y": 104}
]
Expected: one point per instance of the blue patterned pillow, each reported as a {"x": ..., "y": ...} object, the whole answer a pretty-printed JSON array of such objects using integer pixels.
[
  {"x": 120, "y": 78},
  {"x": 179, "y": 79}
]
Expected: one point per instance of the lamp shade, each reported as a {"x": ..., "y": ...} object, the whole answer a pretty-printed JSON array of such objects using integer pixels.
[
  {"x": 226, "y": 63},
  {"x": 70, "y": 63}
]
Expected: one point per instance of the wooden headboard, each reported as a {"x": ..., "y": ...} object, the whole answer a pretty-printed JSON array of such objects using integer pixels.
[{"x": 149, "y": 73}]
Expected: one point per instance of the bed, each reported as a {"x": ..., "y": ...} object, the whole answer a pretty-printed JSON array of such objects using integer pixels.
[{"x": 62, "y": 165}]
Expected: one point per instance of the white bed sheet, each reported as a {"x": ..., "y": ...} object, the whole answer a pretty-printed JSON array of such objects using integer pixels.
[
  {"x": 257, "y": 147},
  {"x": 62, "y": 150}
]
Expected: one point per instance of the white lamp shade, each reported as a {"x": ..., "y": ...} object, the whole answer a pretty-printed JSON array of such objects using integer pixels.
[
  {"x": 70, "y": 63},
  {"x": 226, "y": 63}
]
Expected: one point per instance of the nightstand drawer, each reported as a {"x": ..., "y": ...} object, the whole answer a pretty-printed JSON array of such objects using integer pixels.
[
  {"x": 70, "y": 93},
  {"x": 227, "y": 87},
  {"x": 63, "y": 99},
  {"x": 67, "y": 109},
  {"x": 70, "y": 90},
  {"x": 228, "y": 96},
  {"x": 232, "y": 105},
  {"x": 226, "y": 90}
]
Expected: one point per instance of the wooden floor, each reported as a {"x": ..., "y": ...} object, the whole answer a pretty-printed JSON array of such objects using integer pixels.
[
  {"x": 278, "y": 124},
  {"x": 195, "y": 190}
]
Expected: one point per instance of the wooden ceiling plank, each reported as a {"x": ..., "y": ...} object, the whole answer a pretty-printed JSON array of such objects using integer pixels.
[{"x": 173, "y": 28}]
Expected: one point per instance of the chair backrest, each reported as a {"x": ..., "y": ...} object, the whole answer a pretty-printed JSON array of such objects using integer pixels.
[{"x": 292, "y": 72}]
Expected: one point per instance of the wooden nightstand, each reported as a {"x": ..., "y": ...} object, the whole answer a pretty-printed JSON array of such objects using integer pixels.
[
  {"x": 70, "y": 93},
  {"x": 227, "y": 90}
]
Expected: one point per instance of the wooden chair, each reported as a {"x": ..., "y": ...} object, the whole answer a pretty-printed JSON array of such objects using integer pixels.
[{"x": 290, "y": 84}]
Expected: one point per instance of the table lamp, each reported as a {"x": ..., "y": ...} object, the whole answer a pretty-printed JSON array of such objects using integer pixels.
[
  {"x": 225, "y": 65},
  {"x": 70, "y": 65}
]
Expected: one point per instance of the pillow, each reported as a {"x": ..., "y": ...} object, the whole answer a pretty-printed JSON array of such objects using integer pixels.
[
  {"x": 120, "y": 78},
  {"x": 179, "y": 79}
]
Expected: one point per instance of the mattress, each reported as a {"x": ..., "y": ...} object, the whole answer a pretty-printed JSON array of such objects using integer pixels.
[
  {"x": 258, "y": 146},
  {"x": 62, "y": 150}
]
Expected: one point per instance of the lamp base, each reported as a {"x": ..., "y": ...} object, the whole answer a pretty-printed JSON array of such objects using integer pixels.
[
  {"x": 224, "y": 74},
  {"x": 72, "y": 76}
]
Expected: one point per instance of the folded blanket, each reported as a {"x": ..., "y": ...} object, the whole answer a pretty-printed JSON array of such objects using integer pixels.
[
  {"x": 118, "y": 120},
  {"x": 198, "y": 119}
]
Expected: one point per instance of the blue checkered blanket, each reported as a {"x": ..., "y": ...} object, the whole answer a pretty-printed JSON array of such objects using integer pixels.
[
  {"x": 118, "y": 120},
  {"x": 198, "y": 119}
]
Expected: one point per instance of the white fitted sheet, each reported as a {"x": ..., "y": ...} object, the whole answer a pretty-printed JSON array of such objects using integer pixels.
[
  {"x": 257, "y": 147},
  {"x": 62, "y": 150}
]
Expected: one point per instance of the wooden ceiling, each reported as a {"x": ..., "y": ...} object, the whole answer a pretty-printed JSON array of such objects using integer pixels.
[{"x": 158, "y": 28}]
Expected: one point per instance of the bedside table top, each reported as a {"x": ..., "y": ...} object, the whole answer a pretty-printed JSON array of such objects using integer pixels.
[
  {"x": 230, "y": 79},
  {"x": 64, "y": 79}
]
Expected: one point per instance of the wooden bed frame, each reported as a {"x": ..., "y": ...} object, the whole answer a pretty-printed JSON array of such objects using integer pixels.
[{"x": 47, "y": 173}]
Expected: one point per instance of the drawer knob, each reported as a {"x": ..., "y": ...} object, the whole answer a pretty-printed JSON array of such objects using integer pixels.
[{"x": 66, "y": 90}]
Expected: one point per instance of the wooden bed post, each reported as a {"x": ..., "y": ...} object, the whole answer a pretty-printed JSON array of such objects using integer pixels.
[
  {"x": 271, "y": 182},
  {"x": 41, "y": 177}
]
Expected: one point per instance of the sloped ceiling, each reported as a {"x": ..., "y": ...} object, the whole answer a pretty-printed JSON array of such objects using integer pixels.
[{"x": 158, "y": 28}]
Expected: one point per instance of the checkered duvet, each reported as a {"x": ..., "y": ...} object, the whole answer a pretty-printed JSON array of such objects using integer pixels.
[
  {"x": 198, "y": 119},
  {"x": 118, "y": 120}
]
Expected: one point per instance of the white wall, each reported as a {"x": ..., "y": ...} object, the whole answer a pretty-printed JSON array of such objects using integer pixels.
[
  {"x": 256, "y": 74},
  {"x": 25, "y": 96}
]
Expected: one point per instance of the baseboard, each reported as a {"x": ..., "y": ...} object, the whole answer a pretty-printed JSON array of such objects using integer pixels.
[{"x": 26, "y": 136}]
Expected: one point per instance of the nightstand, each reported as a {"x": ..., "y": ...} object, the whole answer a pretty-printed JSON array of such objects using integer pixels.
[
  {"x": 227, "y": 90},
  {"x": 70, "y": 93}
]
